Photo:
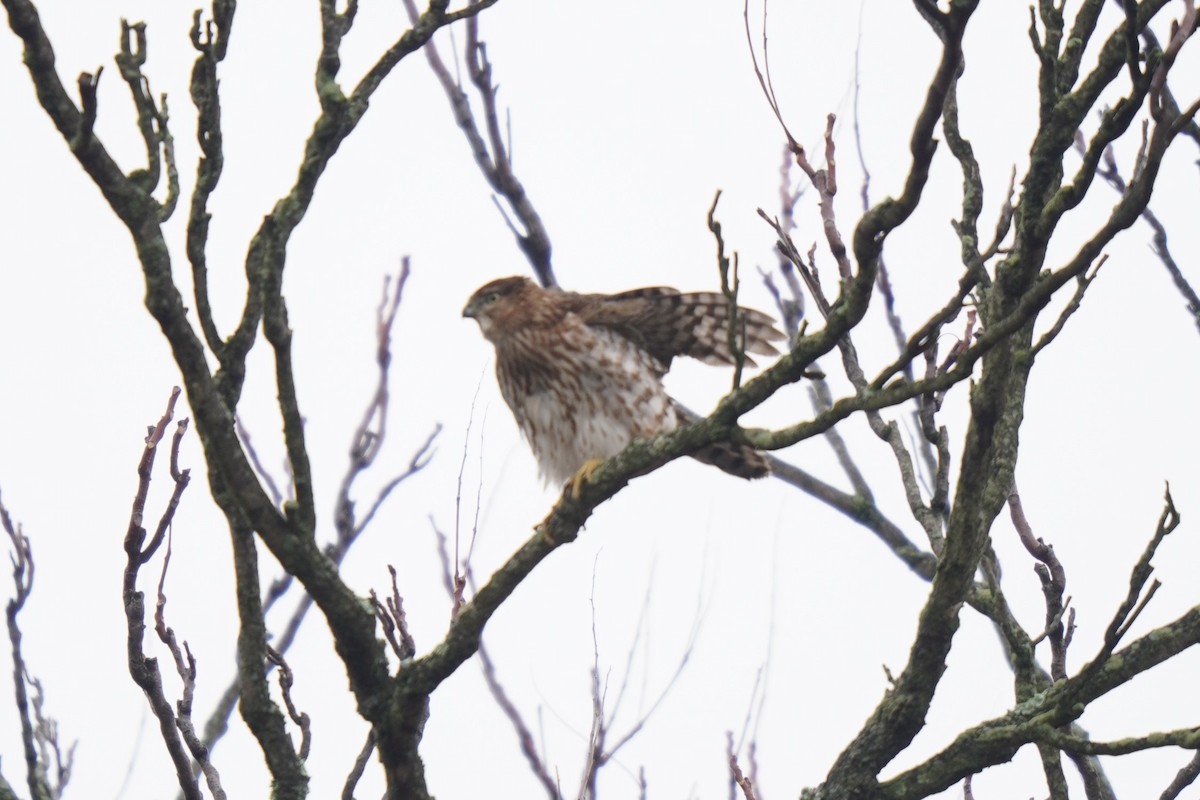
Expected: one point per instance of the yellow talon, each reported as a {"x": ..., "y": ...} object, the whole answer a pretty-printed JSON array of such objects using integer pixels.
[{"x": 583, "y": 475}]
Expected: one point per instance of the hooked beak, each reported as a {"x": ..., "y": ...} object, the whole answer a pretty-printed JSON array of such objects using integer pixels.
[{"x": 469, "y": 311}]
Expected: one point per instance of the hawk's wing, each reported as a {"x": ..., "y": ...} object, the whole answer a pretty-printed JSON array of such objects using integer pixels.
[{"x": 667, "y": 323}]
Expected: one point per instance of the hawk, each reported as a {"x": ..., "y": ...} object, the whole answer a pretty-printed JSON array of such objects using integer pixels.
[{"x": 583, "y": 373}]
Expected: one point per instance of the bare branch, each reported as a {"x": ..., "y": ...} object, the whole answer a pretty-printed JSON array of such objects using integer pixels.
[
  {"x": 55, "y": 766},
  {"x": 372, "y": 430},
  {"x": 360, "y": 765},
  {"x": 143, "y": 669},
  {"x": 1083, "y": 281},
  {"x": 524, "y": 736},
  {"x": 492, "y": 155},
  {"x": 1183, "y": 779},
  {"x": 1111, "y": 174},
  {"x": 735, "y": 771},
  {"x": 1054, "y": 584},
  {"x": 261, "y": 471},
  {"x": 185, "y": 662},
  {"x": 735, "y": 330},
  {"x": 152, "y": 119},
  {"x": 684, "y": 658},
  {"x": 1134, "y": 601},
  {"x": 22, "y": 573},
  {"x": 1180, "y": 31},
  {"x": 367, "y": 443},
  {"x": 1188, "y": 738},
  {"x": 301, "y": 719},
  {"x": 211, "y": 46},
  {"x": 454, "y": 583},
  {"x": 764, "y": 81}
]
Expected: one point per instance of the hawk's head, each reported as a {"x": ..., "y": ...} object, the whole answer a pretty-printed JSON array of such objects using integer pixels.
[{"x": 505, "y": 304}]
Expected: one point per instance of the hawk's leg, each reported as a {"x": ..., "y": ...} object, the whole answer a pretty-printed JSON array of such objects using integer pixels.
[{"x": 583, "y": 475}]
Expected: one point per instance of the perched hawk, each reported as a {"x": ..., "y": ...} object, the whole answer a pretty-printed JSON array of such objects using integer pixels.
[{"x": 582, "y": 373}]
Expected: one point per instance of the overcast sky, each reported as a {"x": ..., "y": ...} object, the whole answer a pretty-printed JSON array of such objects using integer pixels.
[{"x": 626, "y": 118}]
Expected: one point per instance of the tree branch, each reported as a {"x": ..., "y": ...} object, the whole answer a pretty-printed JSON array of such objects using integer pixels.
[
  {"x": 492, "y": 155},
  {"x": 143, "y": 669}
]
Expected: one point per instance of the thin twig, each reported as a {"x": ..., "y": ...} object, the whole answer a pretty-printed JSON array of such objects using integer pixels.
[
  {"x": 493, "y": 153},
  {"x": 1054, "y": 584},
  {"x": 36, "y": 769},
  {"x": 735, "y": 771},
  {"x": 144, "y": 670},
  {"x": 286, "y": 679},
  {"x": 261, "y": 471},
  {"x": 1134, "y": 601},
  {"x": 735, "y": 329},
  {"x": 360, "y": 765},
  {"x": 1111, "y": 174},
  {"x": 454, "y": 582},
  {"x": 524, "y": 736}
]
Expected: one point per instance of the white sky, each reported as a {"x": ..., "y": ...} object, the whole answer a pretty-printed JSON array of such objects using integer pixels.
[{"x": 626, "y": 118}]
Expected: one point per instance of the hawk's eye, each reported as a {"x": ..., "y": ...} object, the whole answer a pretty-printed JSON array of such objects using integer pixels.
[{"x": 491, "y": 297}]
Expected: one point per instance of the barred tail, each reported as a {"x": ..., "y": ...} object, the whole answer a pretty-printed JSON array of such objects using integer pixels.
[{"x": 736, "y": 459}]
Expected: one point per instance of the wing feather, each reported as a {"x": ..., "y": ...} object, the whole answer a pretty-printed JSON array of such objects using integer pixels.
[{"x": 668, "y": 323}]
